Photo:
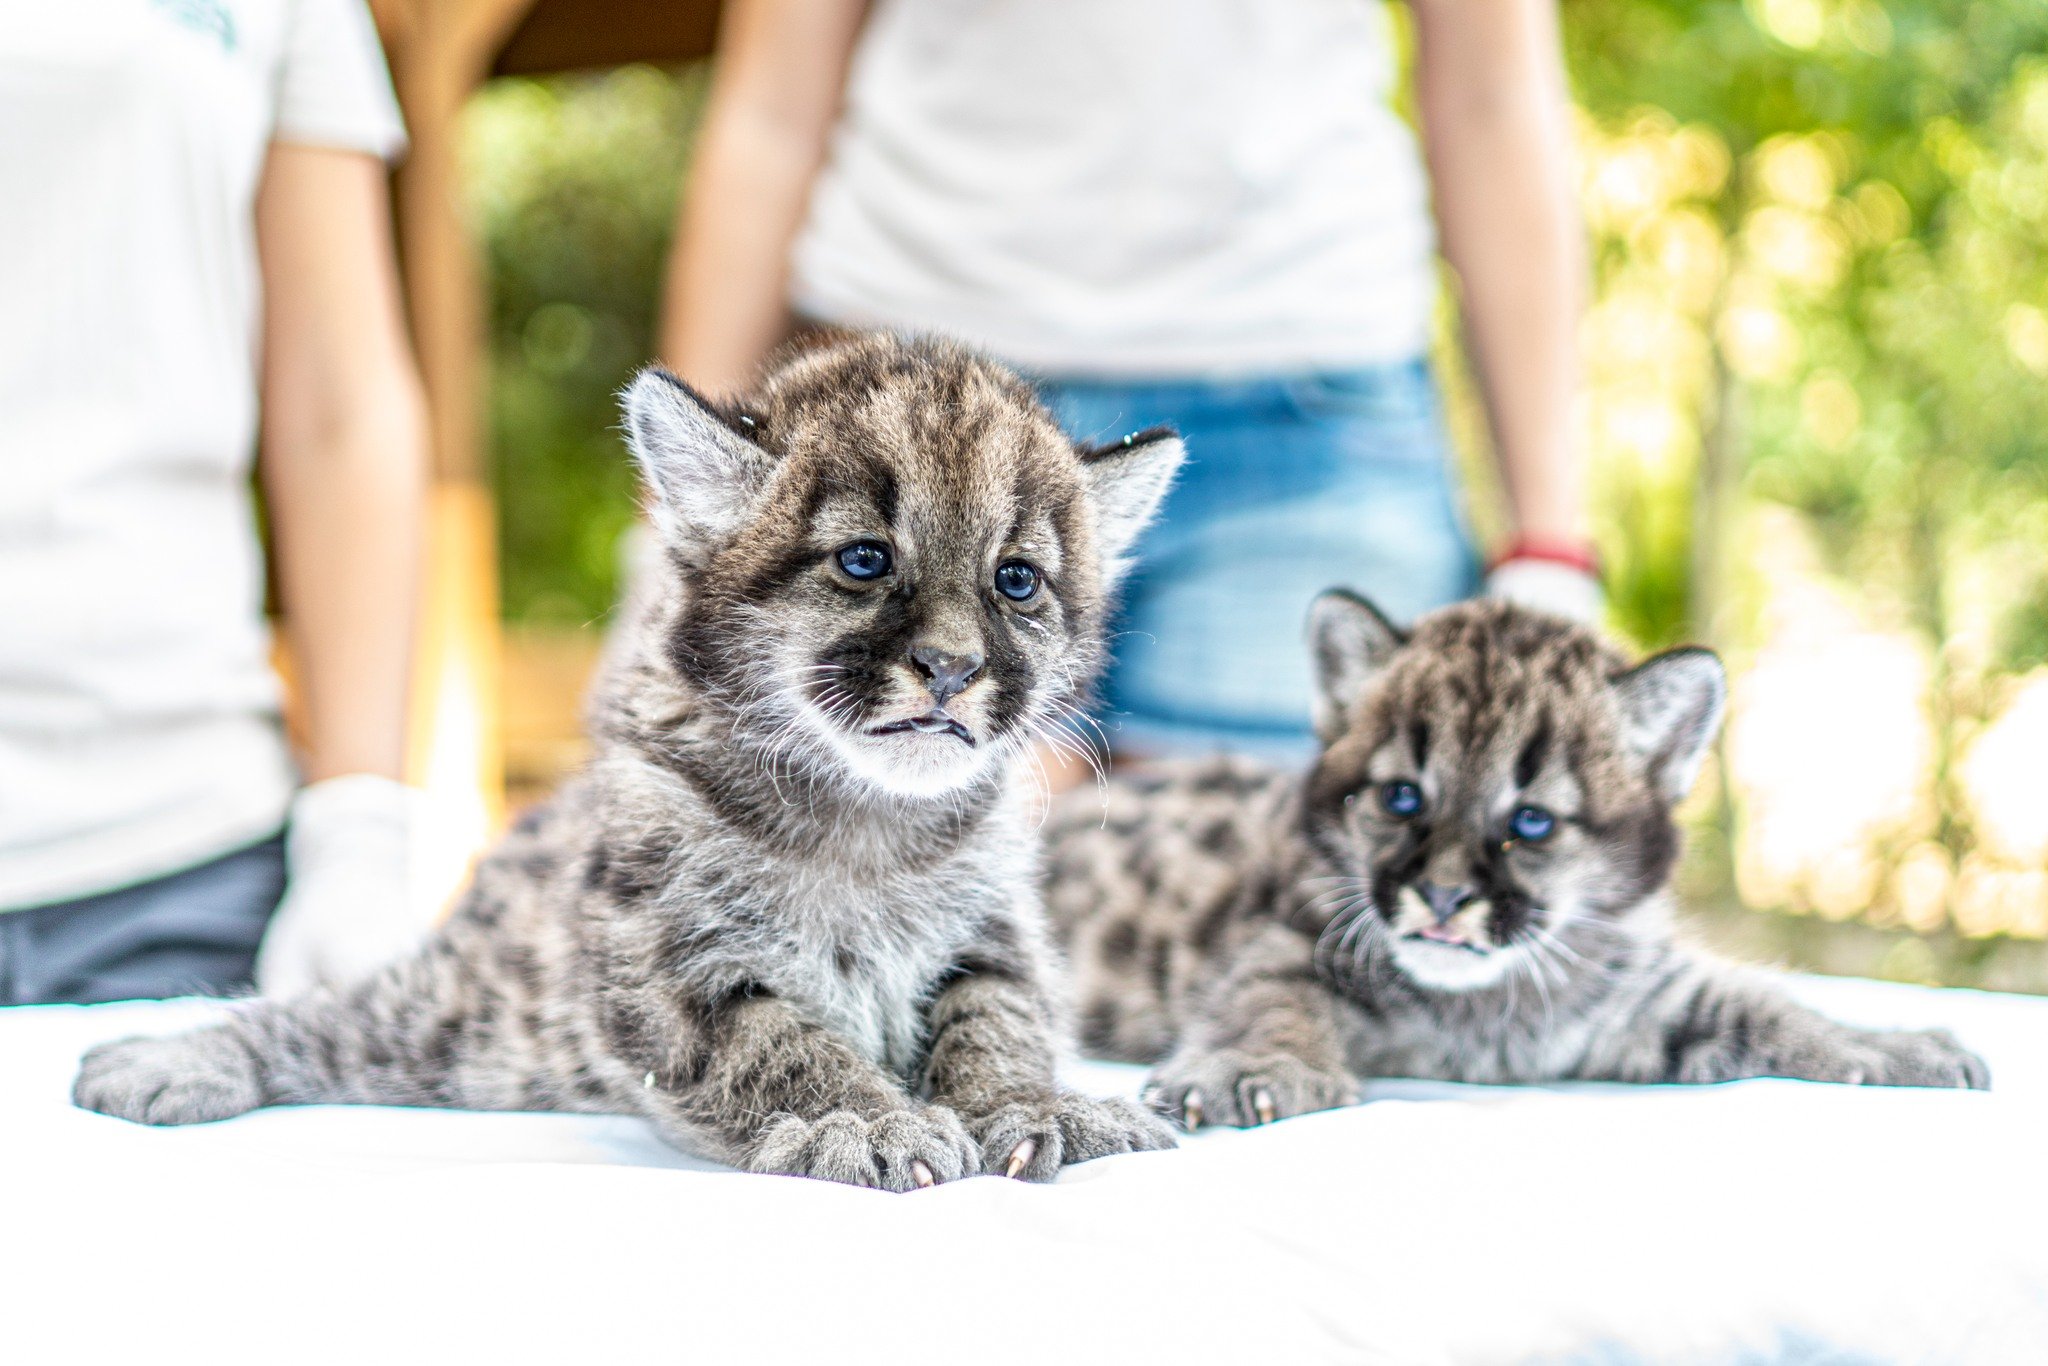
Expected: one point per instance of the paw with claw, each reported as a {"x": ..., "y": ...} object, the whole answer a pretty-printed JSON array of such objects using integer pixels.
[
  {"x": 1032, "y": 1139},
  {"x": 183, "y": 1079},
  {"x": 1242, "y": 1089},
  {"x": 1906, "y": 1057},
  {"x": 899, "y": 1151},
  {"x": 1927, "y": 1057}
]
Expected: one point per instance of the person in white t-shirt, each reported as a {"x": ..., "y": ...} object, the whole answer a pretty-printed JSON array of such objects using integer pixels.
[
  {"x": 1196, "y": 212},
  {"x": 195, "y": 248}
]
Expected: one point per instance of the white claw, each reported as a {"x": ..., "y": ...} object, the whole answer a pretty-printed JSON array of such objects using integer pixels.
[
  {"x": 1020, "y": 1156},
  {"x": 1262, "y": 1101},
  {"x": 920, "y": 1173},
  {"x": 1191, "y": 1107}
]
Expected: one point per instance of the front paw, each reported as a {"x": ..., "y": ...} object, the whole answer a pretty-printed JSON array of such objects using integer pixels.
[
  {"x": 898, "y": 1151},
  {"x": 184, "y": 1079},
  {"x": 1031, "y": 1140},
  {"x": 1244, "y": 1089},
  {"x": 1907, "y": 1057},
  {"x": 1924, "y": 1057}
]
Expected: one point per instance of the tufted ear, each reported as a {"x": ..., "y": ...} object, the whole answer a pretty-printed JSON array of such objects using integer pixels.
[
  {"x": 704, "y": 475},
  {"x": 1671, "y": 706},
  {"x": 1126, "y": 482},
  {"x": 1351, "y": 641}
]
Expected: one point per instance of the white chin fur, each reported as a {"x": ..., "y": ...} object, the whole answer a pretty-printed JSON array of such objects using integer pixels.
[
  {"x": 1446, "y": 967},
  {"x": 909, "y": 765}
]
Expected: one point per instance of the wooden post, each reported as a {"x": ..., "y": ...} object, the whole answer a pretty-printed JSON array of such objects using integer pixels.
[{"x": 440, "y": 50}]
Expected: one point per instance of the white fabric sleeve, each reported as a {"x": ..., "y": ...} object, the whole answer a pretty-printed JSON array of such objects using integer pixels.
[{"x": 333, "y": 87}]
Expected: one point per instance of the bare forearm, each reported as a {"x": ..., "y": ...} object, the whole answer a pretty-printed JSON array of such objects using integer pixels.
[
  {"x": 724, "y": 307},
  {"x": 347, "y": 511},
  {"x": 1497, "y": 133},
  {"x": 344, "y": 452},
  {"x": 781, "y": 70}
]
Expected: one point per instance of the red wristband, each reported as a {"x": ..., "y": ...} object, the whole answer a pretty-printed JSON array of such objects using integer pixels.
[{"x": 1572, "y": 555}]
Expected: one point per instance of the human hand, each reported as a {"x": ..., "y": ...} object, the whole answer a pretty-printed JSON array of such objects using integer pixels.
[
  {"x": 1563, "y": 583},
  {"x": 348, "y": 906}
]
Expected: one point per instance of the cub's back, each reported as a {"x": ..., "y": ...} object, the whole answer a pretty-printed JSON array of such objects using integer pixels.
[{"x": 1144, "y": 880}]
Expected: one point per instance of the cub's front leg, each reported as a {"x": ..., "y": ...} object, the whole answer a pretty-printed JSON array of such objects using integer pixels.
[
  {"x": 1268, "y": 1042},
  {"x": 1714, "y": 1023},
  {"x": 772, "y": 1091},
  {"x": 991, "y": 1056}
]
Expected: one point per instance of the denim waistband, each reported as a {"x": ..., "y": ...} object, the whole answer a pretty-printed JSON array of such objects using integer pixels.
[{"x": 1397, "y": 392}]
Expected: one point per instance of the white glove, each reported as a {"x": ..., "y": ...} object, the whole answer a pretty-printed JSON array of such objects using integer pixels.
[
  {"x": 348, "y": 905},
  {"x": 1563, "y": 590}
]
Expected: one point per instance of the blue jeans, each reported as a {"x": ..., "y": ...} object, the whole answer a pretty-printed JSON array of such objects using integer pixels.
[{"x": 1293, "y": 484}]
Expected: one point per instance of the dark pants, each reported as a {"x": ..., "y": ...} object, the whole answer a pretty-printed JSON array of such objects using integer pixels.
[{"x": 193, "y": 933}]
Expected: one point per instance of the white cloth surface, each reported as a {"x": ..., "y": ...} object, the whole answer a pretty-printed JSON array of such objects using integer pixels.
[
  {"x": 1126, "y": 187},
  {"x": 1758, "y": 1222},
  {"x": 138, "y": 713}
]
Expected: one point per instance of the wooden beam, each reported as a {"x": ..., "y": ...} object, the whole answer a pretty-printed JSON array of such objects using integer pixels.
[
  {"x": 484, "y": 26},
  {"x": 571, "y": 35},
  {"x": 440, "y": 52}
]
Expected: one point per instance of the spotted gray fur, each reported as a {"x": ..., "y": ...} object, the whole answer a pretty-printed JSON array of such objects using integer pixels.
[
  {"x": 792, "y": 931},
  {"x": 1269, "y": 938}
]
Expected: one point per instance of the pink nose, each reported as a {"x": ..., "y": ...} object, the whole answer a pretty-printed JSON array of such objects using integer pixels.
[{"x": 1443, "y": 934}]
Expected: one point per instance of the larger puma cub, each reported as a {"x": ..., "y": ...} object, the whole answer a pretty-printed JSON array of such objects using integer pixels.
[{"x": 788, "y": 912}]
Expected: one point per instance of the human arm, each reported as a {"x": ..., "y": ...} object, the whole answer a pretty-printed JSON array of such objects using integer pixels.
[
  {"x": 344, "y": 453},
  {"x": 1496, "y": 131},
  {"x": 343, "y": 467},
  {"x": 781, "y": 72}
]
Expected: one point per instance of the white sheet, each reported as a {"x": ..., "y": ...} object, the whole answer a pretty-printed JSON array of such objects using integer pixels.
[{"x": 1763, "y": 1221}]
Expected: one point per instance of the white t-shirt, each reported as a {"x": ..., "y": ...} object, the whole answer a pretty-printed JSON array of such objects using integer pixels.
[
  {"x": 139, "y": 727},
  {"x": 1126, "y": 187}
]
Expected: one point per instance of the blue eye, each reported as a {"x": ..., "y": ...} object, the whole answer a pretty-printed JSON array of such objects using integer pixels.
[
  {"x": 865, "y": 560},
  {"x": 1016, "y": 581},
  {"x": 1400, "y": 799},
  {"x": 1532, "y": 824}
]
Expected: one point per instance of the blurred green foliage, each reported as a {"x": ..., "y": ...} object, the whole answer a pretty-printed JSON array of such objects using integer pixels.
[
  {"x": 1821, "y": 232},
  {"x": 1885, "y": 208},
  {"x": 573, "y": 185}
]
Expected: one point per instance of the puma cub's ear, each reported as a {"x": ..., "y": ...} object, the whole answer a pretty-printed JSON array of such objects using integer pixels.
[
  {"x": 1351, "y": 641},
  {"x": 1126, "y": 481},
  {"x": 1671, "y": 707},
  {"x": 704, "y": 475}
]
